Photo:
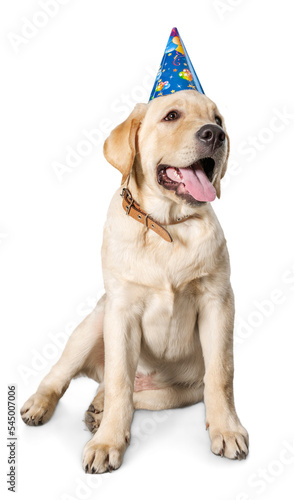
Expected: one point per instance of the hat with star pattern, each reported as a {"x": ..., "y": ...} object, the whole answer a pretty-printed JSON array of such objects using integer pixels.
[{"x": 176, "y": 71}]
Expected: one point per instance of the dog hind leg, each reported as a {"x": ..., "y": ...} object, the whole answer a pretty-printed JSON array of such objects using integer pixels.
[
  {"x": 82, "y": 355},
  {"x": 153, "y": 399},
  {"x": 168, "y": 397},
  {"x": 94, "y": 414}
]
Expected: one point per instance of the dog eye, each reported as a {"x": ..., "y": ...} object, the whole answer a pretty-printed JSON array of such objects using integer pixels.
[
  {"x": 218, "y": 120},
  {"x": 172, "y": 115}
]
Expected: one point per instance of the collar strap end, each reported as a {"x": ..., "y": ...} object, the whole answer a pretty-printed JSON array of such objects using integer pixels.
[{"x": 133, "y": 210}]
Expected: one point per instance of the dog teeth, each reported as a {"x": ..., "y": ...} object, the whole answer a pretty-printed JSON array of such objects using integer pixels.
[{"x": 176, "y": 174}]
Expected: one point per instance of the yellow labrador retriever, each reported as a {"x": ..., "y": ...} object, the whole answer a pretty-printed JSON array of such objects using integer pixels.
[{"x": 162, "y": 335}]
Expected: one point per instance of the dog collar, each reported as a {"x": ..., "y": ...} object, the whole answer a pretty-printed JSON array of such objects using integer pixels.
[{"x": 133, "y": 209}]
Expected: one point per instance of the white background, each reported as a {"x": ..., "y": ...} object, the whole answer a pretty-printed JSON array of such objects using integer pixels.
[{"x": 82, "y": 72}]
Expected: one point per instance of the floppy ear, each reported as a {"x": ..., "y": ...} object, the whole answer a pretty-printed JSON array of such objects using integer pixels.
[
  {"x": 222, "y": 171},
  {"x": 120, "y": 147}
]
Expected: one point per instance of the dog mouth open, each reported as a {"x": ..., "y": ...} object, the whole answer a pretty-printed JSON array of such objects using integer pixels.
[{"x": 192, "y": 182}]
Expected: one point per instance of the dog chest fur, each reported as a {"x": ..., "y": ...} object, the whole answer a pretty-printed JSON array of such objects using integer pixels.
[{"x": 135, "y": 255}]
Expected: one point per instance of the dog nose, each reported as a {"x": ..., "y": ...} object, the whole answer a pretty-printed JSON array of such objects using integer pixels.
[{"x": 211, "y": 135}]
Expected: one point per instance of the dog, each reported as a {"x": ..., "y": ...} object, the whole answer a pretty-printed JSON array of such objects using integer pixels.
[{"x": 162, "y": 335}]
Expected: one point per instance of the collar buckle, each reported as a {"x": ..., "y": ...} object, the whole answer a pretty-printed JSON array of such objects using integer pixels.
[
  {"x": 134, "y": 210},
  {"x": 126, "y": 194}
]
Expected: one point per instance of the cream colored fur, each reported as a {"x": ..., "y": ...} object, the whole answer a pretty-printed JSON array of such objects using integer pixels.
[{"x": 168, "y": 311}]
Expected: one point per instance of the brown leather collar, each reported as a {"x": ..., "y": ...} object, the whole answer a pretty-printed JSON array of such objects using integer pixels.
[{"x": 133, "y": 210}]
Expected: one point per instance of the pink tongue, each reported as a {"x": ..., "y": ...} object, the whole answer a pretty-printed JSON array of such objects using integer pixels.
[{"x": 196, "y": 182}]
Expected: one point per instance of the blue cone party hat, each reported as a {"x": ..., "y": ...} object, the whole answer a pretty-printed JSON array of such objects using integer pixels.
[{"x": 176, "y": 71}]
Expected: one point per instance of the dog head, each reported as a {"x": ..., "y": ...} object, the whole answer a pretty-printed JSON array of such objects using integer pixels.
[{"x": 177, "y": 144}]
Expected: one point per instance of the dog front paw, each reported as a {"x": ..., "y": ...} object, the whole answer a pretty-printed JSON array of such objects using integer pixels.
[
  {"x": 230, "y": 444},
  {"x": 99, "y": 458}
]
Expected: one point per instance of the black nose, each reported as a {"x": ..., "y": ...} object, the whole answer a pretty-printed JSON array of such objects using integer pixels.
[{"x": 211, "y": 135}]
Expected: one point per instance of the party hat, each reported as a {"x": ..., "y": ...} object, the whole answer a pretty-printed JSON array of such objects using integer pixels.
[{"x": 176, "y": 71}]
